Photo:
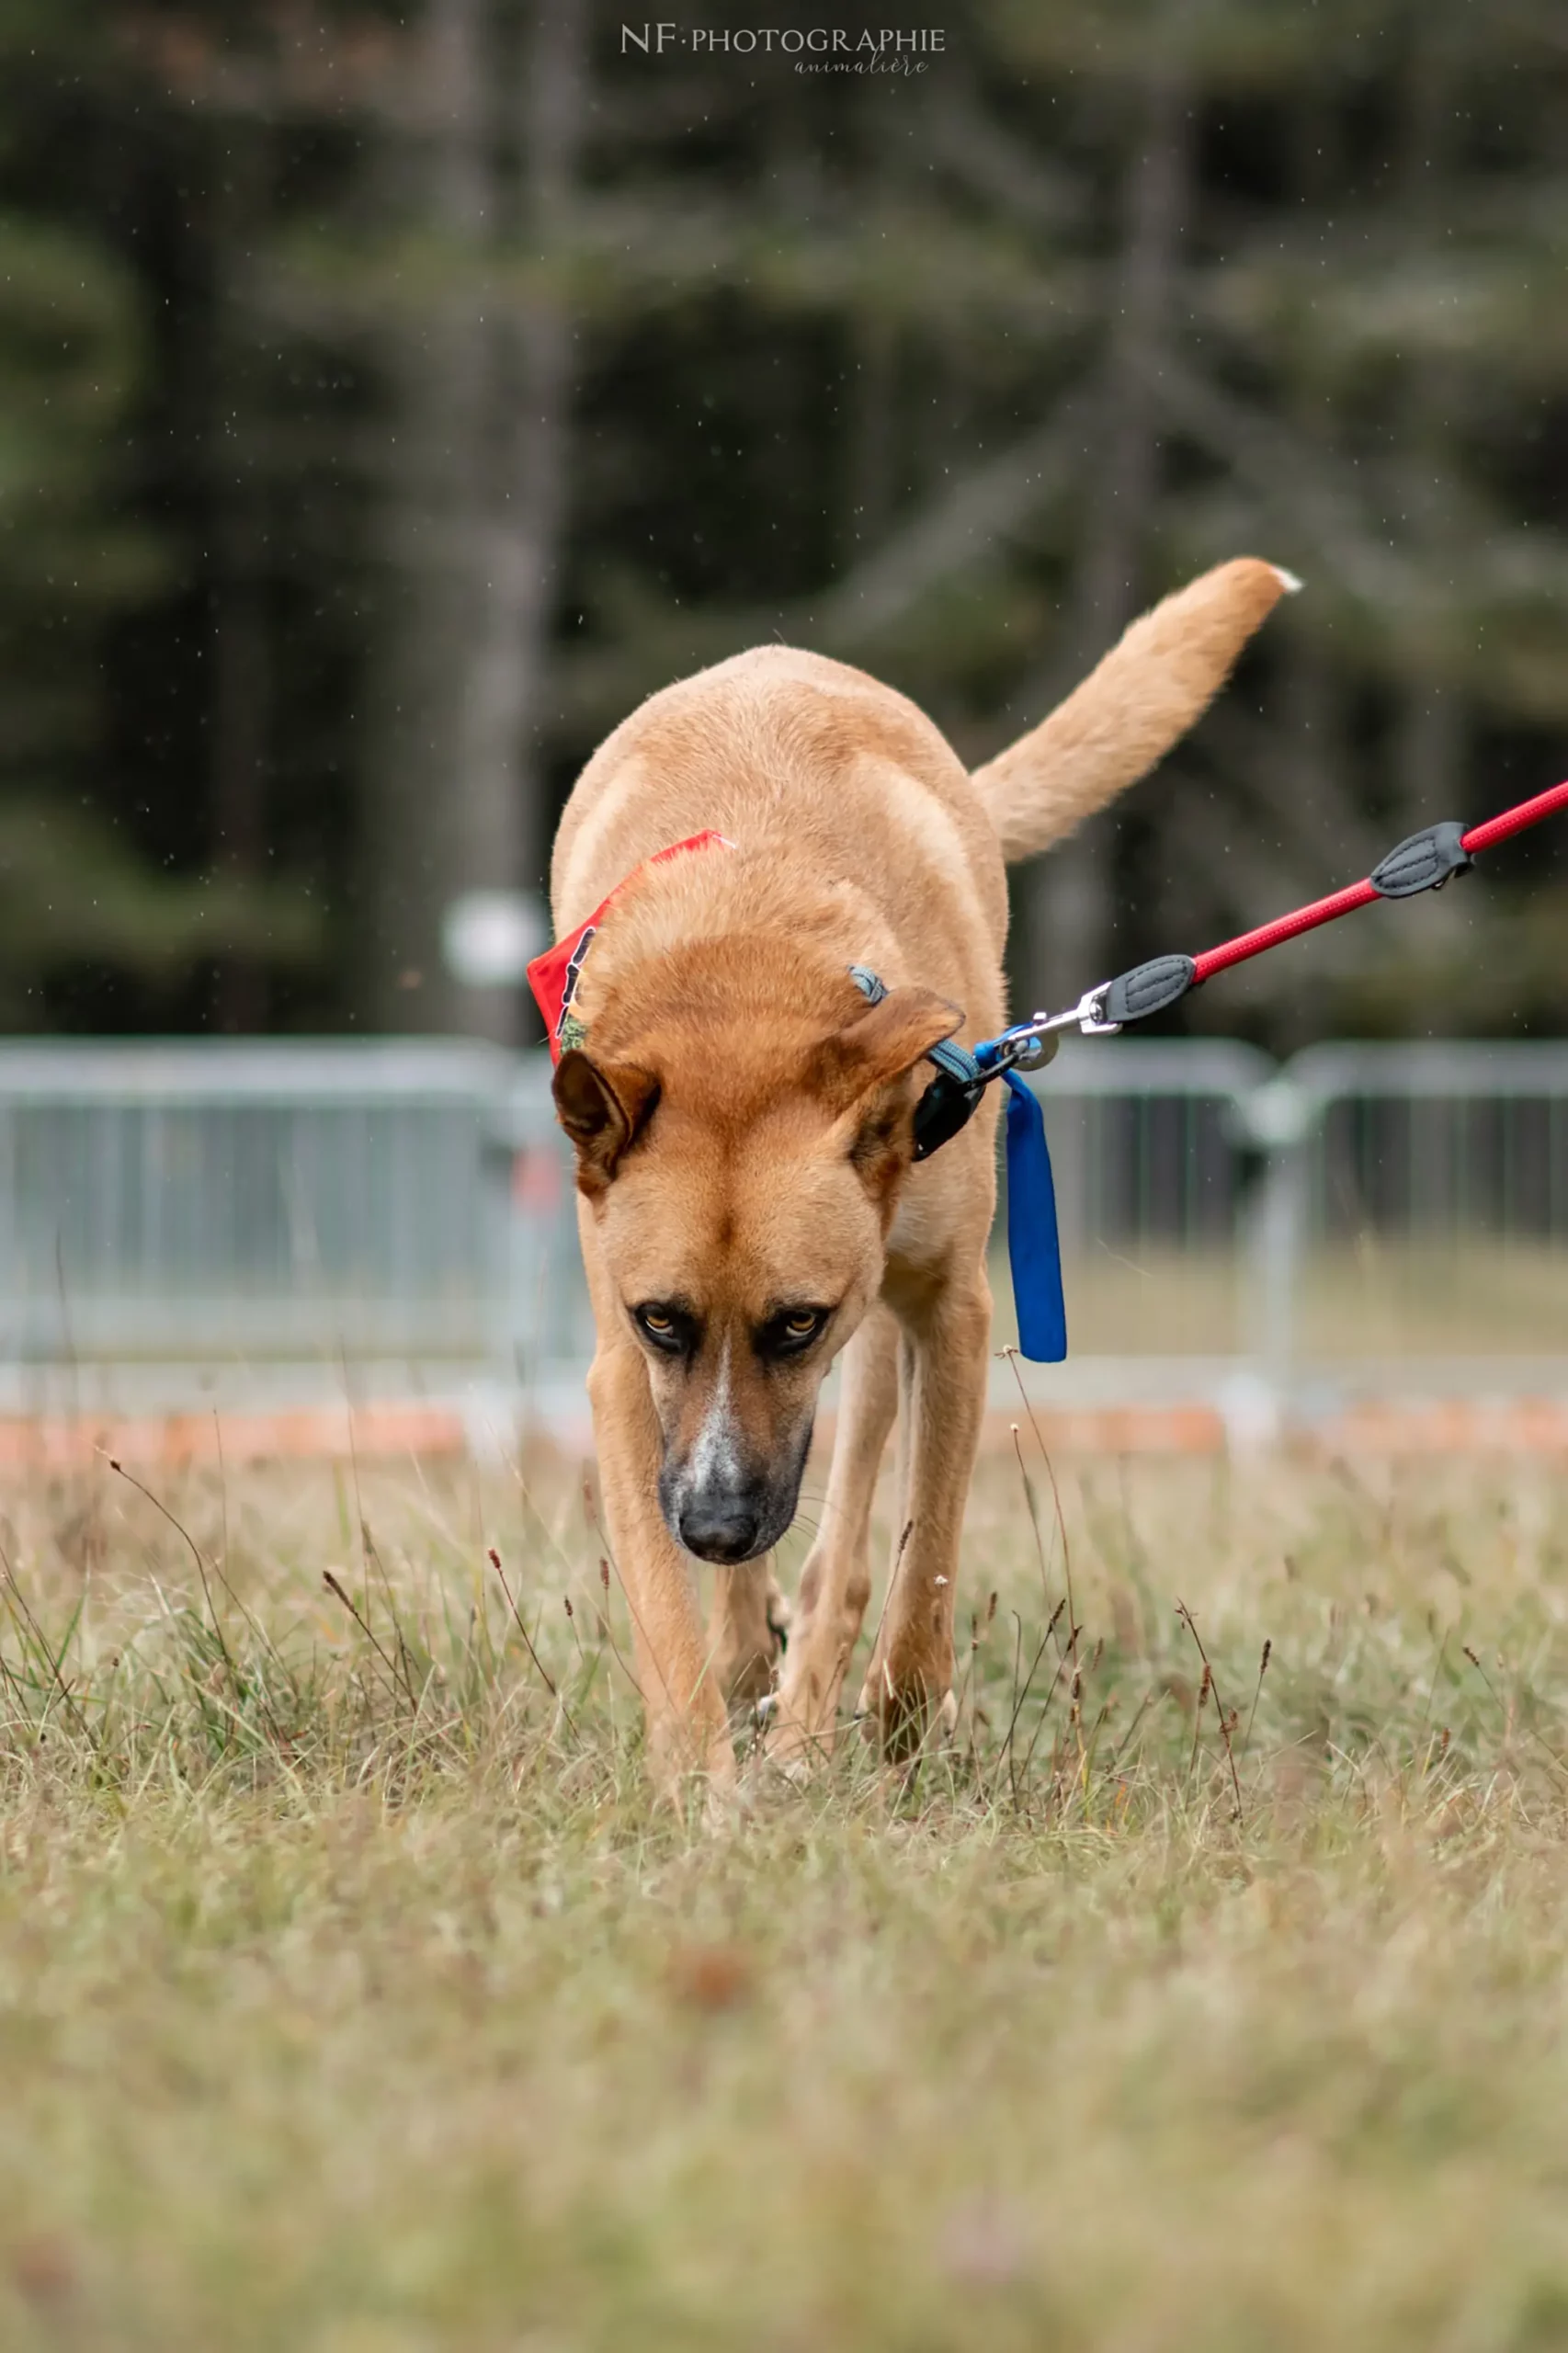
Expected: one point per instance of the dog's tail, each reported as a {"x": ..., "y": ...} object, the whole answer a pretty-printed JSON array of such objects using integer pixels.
[{"x": 1129, "y": 711}]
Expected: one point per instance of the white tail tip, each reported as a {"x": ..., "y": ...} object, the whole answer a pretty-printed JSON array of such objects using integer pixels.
[{"x": 1288, "y": 580}]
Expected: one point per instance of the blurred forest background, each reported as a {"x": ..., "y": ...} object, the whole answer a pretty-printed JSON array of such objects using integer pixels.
[{"x": 391, "y": 395}]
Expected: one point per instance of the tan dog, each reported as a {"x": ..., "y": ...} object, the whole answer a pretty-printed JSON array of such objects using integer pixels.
[{"x": 742, "y": 1120}]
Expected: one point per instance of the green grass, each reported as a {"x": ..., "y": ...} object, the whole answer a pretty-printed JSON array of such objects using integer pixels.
[{"x": 355, "y": 1996}]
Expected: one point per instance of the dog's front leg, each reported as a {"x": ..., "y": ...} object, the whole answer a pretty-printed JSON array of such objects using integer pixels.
[
  {"x": 687, "y": 1726},
  {"x": 909, "y": 1685},
  {"x": 836, "y": 1584}
]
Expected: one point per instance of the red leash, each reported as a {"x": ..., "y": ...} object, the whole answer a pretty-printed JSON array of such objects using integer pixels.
[
  {"x": 1514, "y": 821},
  {"x": 1361, "y": 894},
  {"x": 1424, "y": 862}
]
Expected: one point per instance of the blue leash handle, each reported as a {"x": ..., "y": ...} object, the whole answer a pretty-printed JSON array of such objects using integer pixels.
[{"x": 1034, "y": 1244}]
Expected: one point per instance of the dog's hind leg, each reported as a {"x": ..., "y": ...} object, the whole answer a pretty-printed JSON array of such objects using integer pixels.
[
  {"x": 836, "y": 1584},
  {"x": 909, "y": 1684},
  {"x": 745, "y": 1631}
]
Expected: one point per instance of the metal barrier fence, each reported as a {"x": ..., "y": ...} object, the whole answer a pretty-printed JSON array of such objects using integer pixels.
[
  {"x": 1396, "y": 1212},
  {"x": 176, "y": 1200},
  {"x": 1414, "y": 1212}
]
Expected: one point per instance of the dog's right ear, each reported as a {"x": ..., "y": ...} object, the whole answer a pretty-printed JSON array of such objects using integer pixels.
[
  {"x": 882, "y": 1042},
  {"x": 603, "y": 1111}
]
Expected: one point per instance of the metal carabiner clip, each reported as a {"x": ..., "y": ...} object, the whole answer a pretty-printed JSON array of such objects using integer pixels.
[
  {"x": 1085, "y": 1016},
  {"x": 1089, "y": 1014}
]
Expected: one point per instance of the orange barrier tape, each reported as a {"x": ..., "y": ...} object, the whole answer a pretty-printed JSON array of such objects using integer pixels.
[
  {"x": 1437, "y": 1426},
  {"x": 328, "y": 1432},
  {"x": 1447, "y": 1425}
]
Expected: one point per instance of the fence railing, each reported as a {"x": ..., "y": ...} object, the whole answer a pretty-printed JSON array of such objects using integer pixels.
[
  {"x": 1398, "y": 1211},
  {"x": 1416, "y": 1198},
  {"x": 182, "y": 1200},
  {"x": 1153, "y": 1196}
]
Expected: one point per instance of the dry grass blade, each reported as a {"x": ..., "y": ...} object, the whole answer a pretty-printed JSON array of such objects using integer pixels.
[
  {"x": 1012, "y": 1356},
  {"x": 494, "y": 1557},
  {"x": 1185, "y": 1614},
  {"x": 35, "y": 1644},
  {"x": 1268, "y": 1653},
  {"x": 340, "y": 1593},
  {"x": 237, "y": 1688}
]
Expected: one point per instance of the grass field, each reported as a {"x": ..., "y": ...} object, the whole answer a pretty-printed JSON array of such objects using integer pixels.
[
  {"x": 353, "y": 1994},
  {"x": 1463, "y": 1295}
]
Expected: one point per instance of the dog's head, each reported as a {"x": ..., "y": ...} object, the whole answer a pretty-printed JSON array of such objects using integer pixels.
[{"x": 743, "y": 1208}]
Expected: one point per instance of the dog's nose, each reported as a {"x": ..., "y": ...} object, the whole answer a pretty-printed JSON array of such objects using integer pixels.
[{"x": 720, "y": 1528}]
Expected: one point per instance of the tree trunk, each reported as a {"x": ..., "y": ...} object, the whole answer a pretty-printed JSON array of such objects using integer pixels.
[
  {"x": 872, "y": 401},
  {"x": 1431, "y": 737},
  {"x": 523, "y": 519},
  {"x": 1309, "y": 790},
  {"x": 1429, "y": 760},
  {"x": 241, "y": 682},
  {"x": 474, "y": 508},
  {"x": 416, "y": 787},
  {"x": 1066, "y": 900}
]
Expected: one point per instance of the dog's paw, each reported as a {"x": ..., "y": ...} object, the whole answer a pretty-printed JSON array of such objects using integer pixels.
[
  {"x": 787, "y": 1772},
  {"x": 905, "y": 1717}
]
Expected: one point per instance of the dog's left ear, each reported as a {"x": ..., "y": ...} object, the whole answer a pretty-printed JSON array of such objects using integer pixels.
[
  {"x": 602, "y": 1110},
  {"x": 880, "y": 1045}
]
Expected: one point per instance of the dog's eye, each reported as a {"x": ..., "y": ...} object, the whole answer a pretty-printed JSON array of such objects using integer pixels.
[
  {"x": 793, "y": 1329},
  {"x": 665, "y": 1327}
]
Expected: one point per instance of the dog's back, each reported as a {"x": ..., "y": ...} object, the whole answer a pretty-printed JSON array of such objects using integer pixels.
[
  {"x": 782, "y": 744},
  {"x": 786, "y": 747}
]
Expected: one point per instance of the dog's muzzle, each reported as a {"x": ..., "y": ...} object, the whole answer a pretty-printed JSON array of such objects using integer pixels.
[{"x": 733, "y": 1516}]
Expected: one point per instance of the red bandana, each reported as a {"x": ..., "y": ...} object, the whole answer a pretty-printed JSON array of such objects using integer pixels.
[{"x": 553, "y": 976}]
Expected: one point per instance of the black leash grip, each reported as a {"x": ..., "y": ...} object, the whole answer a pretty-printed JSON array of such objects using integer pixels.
[
  {"x": 1147, "y": 988},
  {"x": 951, "y": 1101},
  {"x": 946, "y": 1105},
  {"x": 1422, "y": 862}
]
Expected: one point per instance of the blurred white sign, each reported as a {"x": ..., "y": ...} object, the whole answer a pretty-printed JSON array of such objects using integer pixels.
[{"x": 488, "y": 937}]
